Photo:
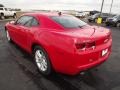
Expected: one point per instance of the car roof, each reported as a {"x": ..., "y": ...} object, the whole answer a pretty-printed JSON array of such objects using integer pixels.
[{"x": 45, "y": 14}]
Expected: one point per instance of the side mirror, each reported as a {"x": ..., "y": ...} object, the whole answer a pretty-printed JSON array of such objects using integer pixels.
[{"x": 12, "y": 22}]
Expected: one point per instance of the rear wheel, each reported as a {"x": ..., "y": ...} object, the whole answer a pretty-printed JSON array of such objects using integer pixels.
[
  {"x": 42, "y": 60},
  {"x": 2, "y": 16},
  {"x": 14, "y": 16},
  {"x": 8, "y": 36}
]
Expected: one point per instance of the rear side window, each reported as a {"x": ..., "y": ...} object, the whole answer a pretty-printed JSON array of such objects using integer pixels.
[
  {"x": 23, "y": 20},
  {"x": 27, "y": 21},
  {"x": 68, "y": 21},
  {"x": 34, "y": 22}
]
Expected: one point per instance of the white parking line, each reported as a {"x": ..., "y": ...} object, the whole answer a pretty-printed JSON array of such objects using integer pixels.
[{"x": 6, "y": 20}]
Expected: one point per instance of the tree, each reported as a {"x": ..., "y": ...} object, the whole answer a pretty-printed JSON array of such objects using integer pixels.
[{"x": 1, "y": 5}]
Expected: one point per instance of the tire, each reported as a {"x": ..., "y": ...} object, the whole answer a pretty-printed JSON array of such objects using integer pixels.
[
  {"x": 2, "y": 16},
  {"x": 89, "y": 20},
  {"x": 8, "y": 36},
  {"x": 114, "y": 25},
  {"x": 107, "y": 24},
  {"x": 14, "y": 16},
  {"x": 42, "y": 61}
]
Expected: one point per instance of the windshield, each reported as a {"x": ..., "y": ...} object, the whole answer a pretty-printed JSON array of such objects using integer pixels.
[
  {"x": 69, "y": 21},
  {"x": 96, "y": 15}
]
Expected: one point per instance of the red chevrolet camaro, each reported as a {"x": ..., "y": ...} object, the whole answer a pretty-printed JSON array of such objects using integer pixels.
[{"x": 60, "y": 42}]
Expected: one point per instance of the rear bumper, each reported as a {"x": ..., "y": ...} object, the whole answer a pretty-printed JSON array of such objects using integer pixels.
[
  {"x": 69, "y": 63},
  {"x": 78, "y": 69}
]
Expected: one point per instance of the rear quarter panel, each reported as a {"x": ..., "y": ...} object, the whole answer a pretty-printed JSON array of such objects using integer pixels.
[{"x": 56, "y": 45}]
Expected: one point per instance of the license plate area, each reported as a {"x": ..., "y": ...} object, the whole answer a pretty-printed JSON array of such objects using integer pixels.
[{"x": 104, "y": 52}]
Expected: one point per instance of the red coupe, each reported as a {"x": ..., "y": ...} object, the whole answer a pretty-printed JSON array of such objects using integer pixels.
[{"x": 60, "y": 42}]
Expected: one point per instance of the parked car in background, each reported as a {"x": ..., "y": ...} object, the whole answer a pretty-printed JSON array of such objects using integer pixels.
[
  {"x": 93, "y": 12},
  {"x": 5, "y": 12},
  {"x": 94, "y": 18},
  {"x": 60, "y": 42},
  {"x": 80, "y": 14},
  {"x": 114, "y": 21}
]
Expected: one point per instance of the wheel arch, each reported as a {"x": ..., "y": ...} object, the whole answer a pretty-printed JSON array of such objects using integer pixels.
[
  {"x": 14, "y": 13},
  {"x": 38, "y": 44},
  {"x": 1, "y": 13}
]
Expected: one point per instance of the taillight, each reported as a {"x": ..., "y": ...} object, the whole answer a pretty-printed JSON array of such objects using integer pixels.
[
  {"x": 80, "y": 46},
  {"x": 90, "y": 45},
  {"x": 85, "y": 46}
]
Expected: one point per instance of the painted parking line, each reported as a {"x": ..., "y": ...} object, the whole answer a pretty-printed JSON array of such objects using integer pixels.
[{"x": 6, "y": 20}]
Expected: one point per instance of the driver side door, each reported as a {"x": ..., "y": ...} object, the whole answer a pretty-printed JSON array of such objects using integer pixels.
[{"x": 21, "y": 30}]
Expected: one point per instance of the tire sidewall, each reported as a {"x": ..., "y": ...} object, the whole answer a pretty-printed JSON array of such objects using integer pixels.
[
  {"x": 2, "y": 16},
  {"x": 7, "y": 33},
  {"x": 49, "y": 69}
]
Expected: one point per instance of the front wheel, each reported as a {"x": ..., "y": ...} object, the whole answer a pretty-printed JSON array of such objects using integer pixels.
[
  {"x": 42, "y": 60},
  {"x": 2, "y": 17},
  {"x": 8, "y": 36}
]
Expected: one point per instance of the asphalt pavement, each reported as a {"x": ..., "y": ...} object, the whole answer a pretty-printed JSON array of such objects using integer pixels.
[{"x": 18, "y": 71}]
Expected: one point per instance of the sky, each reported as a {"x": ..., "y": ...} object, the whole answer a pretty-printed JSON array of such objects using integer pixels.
[{"x": 81, "y": 5}]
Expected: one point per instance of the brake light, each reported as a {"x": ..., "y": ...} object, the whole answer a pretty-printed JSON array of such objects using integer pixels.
[
  {"x": 90, "y": 45},
  {"x": 85, "y": 46},
  {"x": 80, "y": 46}
]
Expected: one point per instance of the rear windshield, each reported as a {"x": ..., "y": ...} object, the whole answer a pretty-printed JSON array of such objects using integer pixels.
[{"x": 68, "y": 21}]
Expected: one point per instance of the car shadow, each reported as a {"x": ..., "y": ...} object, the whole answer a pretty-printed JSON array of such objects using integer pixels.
[{"x": 89, "y": 79}]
